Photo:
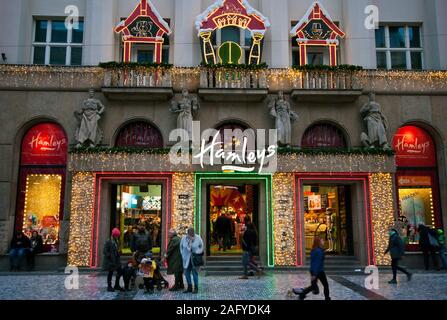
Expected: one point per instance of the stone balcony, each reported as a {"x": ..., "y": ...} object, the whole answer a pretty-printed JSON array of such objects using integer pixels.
[{"x": 222, "y": 85}]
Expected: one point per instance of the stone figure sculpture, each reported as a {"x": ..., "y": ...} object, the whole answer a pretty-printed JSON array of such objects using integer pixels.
[
  {"x": 186, "y": 108},
  {"x": 376, "y": 124},
  {"x": 284, "y": 116},
  {"x": 88, "y": 132}
]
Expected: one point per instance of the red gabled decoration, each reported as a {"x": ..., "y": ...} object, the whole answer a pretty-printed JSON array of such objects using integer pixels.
[
  {"x": 138, "y": 28},
  {"x": 317, "y": 28}
]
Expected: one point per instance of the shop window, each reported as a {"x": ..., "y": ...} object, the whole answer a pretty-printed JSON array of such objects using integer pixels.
[
  {"x": 323, "y": 135},
  {"x": 139, "y": 134},
  {"x": 54, "y": 44},
  {"x": 42, "y": 183},
  {"x": 417, "y": 182},
  {"x": 399, "y": 47}
]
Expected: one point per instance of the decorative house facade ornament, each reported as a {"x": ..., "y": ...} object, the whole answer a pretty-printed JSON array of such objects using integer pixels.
[
  {"x": 144, "y": 25},
  {"x": 280, "y": 110},
  {"x": 317, "y": 28},
  {"x": 235, "y": 13},
  {"x": 376, "y": 124},
  {"x": 185, "y": 107},
  {"x": 88, "y": 132}
]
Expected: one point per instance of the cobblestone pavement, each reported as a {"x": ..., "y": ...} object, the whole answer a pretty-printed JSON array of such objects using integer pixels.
[{"x": 41, "y": 286}]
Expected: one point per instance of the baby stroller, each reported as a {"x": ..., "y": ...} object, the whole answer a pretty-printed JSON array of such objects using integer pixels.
[{"x": 159, "y": 280}]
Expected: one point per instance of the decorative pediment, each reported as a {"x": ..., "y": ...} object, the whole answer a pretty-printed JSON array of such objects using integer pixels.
[
  {"x": 238, "y": 13},
  {"x": 317, "y": 27}
]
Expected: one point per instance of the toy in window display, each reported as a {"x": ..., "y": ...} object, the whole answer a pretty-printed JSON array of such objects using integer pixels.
[{"x": 330, "y": 229}]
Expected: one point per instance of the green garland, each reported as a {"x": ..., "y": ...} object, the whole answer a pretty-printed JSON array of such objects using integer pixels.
[
  {"x": 242, "y": 67},
  {"x": 133, "y": 65},
  {"x": 280, "y": 150},
  {"x": 342, "y": 67}
]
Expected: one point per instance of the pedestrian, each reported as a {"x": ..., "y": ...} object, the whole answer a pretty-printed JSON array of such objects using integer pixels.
[
  {"x": 36, "y": 247},
  {"x": 396, "y": 248},
  {"x": 427, "y": 247},
  {"x": 112, "y": 262},
  {"x": 19, "y": 247},
  {"x": 191, "y": 248},
  {"x": 173, "y": 258},
  {"x": 141, "y": 240},
  {"x": 316, "y": 271},
  {"x": 223, "y": 231},
  {"x": 441, "y": 241},
  {"x": 250, "y": 248}
]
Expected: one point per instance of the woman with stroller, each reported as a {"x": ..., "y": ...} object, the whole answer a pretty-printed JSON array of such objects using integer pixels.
[{"x": 191, "y": 247}]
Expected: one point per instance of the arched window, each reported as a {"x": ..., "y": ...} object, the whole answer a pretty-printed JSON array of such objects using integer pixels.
[
  {"x": 323, "y": 135},
  {"x": 42, "y": 183},
  {"x": 417, "y": 182},
  {"x": 139, "y": 134},
  {"x": 236, "y": 140}
]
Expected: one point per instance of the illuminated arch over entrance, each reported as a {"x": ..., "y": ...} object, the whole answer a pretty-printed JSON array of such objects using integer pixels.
[
  {"x": 236, "y": 13},
  {"x": 317, "y": 28},
  {"x": 144, "y": 25}
]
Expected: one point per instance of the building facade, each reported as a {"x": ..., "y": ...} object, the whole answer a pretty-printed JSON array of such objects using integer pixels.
[{"x": 330, "y": 180}]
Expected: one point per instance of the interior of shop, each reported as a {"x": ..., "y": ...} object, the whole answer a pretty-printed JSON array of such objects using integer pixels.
[
  {"x": 228, "y": 207},
  {"x": 328, "y": 215},
  {"x": 134, "y": 205}
]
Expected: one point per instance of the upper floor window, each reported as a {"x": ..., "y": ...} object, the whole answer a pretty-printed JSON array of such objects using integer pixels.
[
  {"x": 54, "y": 44},
  {"x": 233, "y": 34},
  {"x": 399, "y": 47}
]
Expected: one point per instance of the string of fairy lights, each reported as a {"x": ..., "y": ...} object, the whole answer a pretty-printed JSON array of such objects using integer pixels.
[
  {"x": 35, "y": 76},
  {"x": 82, "y": 202},
  {"x": 182, "y": 202}
]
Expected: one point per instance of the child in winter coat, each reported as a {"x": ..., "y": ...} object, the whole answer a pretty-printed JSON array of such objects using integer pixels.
[
  {"x": 129, "y": 275},
  {"x": 148, "y": 267}
]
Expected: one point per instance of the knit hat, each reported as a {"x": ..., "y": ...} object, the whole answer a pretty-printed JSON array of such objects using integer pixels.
[{"x": 116, "y": 233}]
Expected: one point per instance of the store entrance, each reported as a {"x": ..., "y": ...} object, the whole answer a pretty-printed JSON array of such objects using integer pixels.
[
  {"x": 328, "y": 215},
  {"x": 228, "y": 207},
  {"x": 137, "y": 204}
]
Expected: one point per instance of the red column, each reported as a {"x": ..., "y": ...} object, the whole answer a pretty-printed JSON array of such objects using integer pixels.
[
  {"x": 158, "y": 52},
  {"x": 333, "y": 54},
  {"x": 127, "y": 51},
  {"x": 303, "y": 54}
]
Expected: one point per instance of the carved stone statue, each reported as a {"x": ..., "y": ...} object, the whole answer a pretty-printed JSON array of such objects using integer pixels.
[
  {"x": 280, "y": 110},
  {"x": 376, "y": 124},
  {"x": 186, "y": 108},
  {"x": 88, "y": 132}
]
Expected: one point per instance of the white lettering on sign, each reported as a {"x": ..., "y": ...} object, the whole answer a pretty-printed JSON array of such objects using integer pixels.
[
  {"x": 412, "y": 147},
  {"x": 46, "y": 144}
]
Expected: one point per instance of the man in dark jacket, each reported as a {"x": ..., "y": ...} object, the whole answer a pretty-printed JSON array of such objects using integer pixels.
[
  {"x": 396, "y": 248},
  {"x": 173, "y": 257},
  {"x": 36, "y": 247},
  {"x": 20, "y": 244},
  {"x": 426, "y": 247},
  {"x": 112, "y": 261},
  {"x": 249, "y": 247},
  {"x": 223, "y": 230},
  {"x": 141, "y": 240}
]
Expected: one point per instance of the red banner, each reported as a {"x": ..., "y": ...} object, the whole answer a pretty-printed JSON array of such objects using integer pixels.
[
  {"x": 414, "y": 148},
  {"x": 323, "y": 136},
  {"x": 45, "y": 144},
  {"x": 141, "y": 135}
]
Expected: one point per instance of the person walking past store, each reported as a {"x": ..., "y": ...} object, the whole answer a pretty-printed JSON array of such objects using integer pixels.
[
  {"x": 19, "y": 247},
  {"x": 191, "y": 248},
  {"x": 141, "y": 241},
  {"x": 250, "y": 248},
  {"x": 428, "y": 246},
  {"x": 112, "y": 262},
  {"x": 396, "y": 248},
  {"x": 223, "y": 230},
  {"x": 316, "y": 271},
  {"x": 174, "y": 260},
  {"x": 441, "y": 242},
  {"x": 36, "y": 247}
]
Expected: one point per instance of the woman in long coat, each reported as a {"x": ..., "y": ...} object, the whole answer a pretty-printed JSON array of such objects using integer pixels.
[
  {"x": 174, "y": 260},
  {"x": 112, "y": 261}
]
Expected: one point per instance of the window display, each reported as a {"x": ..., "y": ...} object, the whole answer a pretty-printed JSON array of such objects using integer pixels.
[{"x": 326, "y": 216}]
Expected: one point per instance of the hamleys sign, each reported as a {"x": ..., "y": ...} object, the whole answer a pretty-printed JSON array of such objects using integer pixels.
[{"x": 414, "y": 148}]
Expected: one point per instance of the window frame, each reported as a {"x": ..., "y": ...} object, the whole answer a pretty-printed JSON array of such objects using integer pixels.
[
  {"x": 408, "y": 50},
  {"x": 48, "y": 44},
  {"x": 244, "y": 47}
]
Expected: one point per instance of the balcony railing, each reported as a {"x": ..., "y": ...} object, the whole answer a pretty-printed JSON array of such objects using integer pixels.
[
  {"x": 325, "y": 80},
  {"x": 138, "y": 78},
  {"x": 233, "y": 79}
]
